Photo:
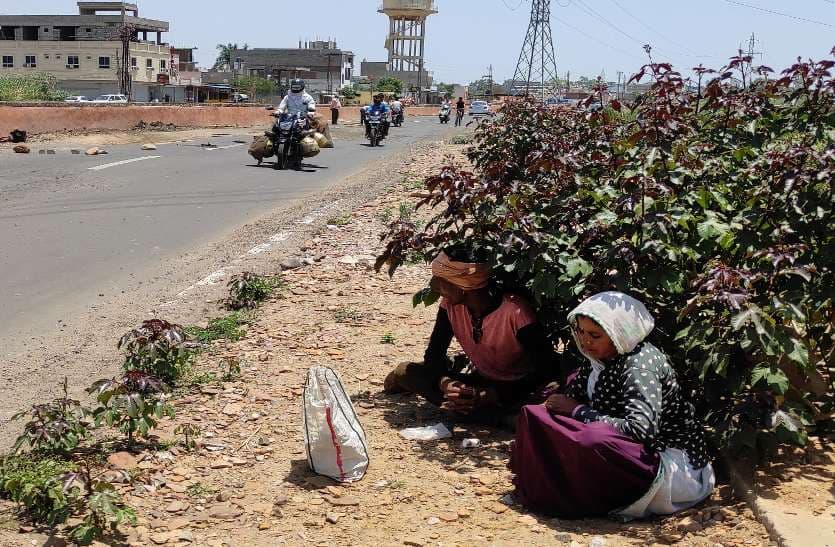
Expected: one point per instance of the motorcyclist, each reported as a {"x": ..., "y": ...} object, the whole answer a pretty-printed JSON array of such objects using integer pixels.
[
  {"x": 297, "y": 101},
  {"x": 396, "y": 108},
  {"x": 377, "y": 107}
]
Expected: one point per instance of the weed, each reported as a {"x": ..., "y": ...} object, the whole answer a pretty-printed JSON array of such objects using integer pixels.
[
  {"x": 398, "y": 484},
  {"x": 341, "y": 220},
  {"x": 348, "y": 315},
  {"x": 406, "y": 211},
  {"x": 388, "y": 338},
  {"x": 102, "y": 504},
  {"x": 387, "y": 215},
  {"x": 461, "y": 139},
  {"x": 414, "y": 184},
  {"x": 53, "y": 428},
  {"x": 221, "y": 328},
  {"x": 199, "y": 490},
  {"x": 232, "y": 369},
  {"x": 248, "y": 290},
  {"x": 189, "y": 431},
  {"x": 39, "y": 486}
]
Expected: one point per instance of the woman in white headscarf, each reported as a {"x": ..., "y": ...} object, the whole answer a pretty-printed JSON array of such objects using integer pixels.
[{"x": 622, "y": 440}]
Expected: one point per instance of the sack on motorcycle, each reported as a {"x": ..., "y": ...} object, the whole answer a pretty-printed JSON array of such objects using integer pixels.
[
  {"x": 320, "y": 139},
  {"x": 334, "y": 439},
  {"x": 262, "y": 147},
  {"x": 309, "y": 147}
]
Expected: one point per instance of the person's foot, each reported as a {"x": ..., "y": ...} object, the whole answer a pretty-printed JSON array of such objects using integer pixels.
[{"x": 391, "y": 386}]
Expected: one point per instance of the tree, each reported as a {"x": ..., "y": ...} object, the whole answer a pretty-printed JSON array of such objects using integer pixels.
[
  {"x": 255, "y": 85},
  {"x": 389, "y": 84},
  {"x": 226, "y": 55},
  {"x": 348, "y": 92},
  {"x": 446, "y": 89}
]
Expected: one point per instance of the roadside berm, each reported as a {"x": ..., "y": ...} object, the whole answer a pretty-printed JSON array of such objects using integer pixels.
[{"x": 247, "y": 482}]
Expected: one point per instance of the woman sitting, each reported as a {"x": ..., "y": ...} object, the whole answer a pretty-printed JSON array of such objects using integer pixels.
[
  {"x": 510, "y": 355},
  {"x": 623, "y": 440}
]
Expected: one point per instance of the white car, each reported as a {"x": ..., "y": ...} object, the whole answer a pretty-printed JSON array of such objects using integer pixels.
[
  {"x": 240, "y": 97},
  {"x": 111, "y": 99},
  {"x": 77, "y": 99},
  {"x": 479, "y": 108}
]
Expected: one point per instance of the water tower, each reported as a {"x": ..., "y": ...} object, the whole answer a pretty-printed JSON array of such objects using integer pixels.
[{"x": 407, "y": 35}]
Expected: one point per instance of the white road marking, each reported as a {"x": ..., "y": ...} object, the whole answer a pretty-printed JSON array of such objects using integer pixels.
[
  {"x": 123, "y": 162},
  {"x": 258, "y": 249},
  {"x": 223, "y": 147},
  {"x": 212, "y": 279}
]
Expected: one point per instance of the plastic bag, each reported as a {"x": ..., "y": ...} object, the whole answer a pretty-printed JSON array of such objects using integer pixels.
[
  {"x": 428, "y": 433},
  {"x": 333, "y": 436}
]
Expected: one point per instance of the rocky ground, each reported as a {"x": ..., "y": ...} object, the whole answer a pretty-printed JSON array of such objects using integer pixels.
[{"x": 248, "y": 482}]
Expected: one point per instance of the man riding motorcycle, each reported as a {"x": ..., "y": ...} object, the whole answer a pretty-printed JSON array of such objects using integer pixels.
[
  {"x": 297, "y": 100},
  {"x": 397, "y": 110},
  {"x": 381, "y": 108}
]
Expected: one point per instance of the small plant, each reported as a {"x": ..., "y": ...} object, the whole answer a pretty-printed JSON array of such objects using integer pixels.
[
  {"x": 341, "y": 220},
  {"x": 388, "y": 338},
  {"x": 103, "y": 506},
  {"x": 199, "y": 490},
  {"x": 39, "y": 485},
  {"x": 231, "y": 368},
  {"x": 132, "y": 403},
  {"x": 157, "y": 348},
  {"x": 406, "y": 211},
  {"x": 461, "y": 139},
  {"x": 221, "y": 328},
  {"x": 189, "y": 431},
  {"x": 414, "y": 184},
  {"x": 53, "y": 428},
  {"x": 348, "y": 315},
  {"x": 387, "y": 215},
  {"x": 248, "y": 290}
]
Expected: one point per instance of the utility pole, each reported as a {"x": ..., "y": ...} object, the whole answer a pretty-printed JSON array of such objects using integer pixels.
[
  {"x": 621, "y": 77},
  {"x": 748, "y": 69},
  {"x": 536, "y": 70},
  {"x": 567, "y": 83}
]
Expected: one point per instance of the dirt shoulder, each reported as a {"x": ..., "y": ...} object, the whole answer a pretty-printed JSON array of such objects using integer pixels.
[{"x": 249, "y": 482}]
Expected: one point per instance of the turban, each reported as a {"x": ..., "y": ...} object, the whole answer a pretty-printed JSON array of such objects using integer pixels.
[{"x": 468, "y": 276}]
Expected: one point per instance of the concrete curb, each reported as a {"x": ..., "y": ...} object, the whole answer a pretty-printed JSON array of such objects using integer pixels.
[{"x": 742, "y": 486}]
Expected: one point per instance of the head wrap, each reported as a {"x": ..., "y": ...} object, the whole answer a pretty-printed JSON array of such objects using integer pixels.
[
  {"x": 624, "y": 319},
  {"x": 468, "y": 276}
]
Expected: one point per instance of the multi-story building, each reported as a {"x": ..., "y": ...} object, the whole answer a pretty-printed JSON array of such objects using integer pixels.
[
  {"x": 323, "y": 66},
  {"x": 84, "y": 51}
]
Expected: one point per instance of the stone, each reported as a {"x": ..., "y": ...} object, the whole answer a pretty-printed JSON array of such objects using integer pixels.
[
  {"x": 280, "y": 500},
  {"x": 233, "y": 409},
  {"x": 527, "y": 520},
  {"x": 563, "y": 537},
  {"x": 448, "y": 516},
  {"x": 149, "y": 147},
  {"x": 432, "y": 521},
  {"x": 264, "y": 525},
  {"x": 122, "y": 460},
  {"x": 176, "y": 506},
  {"x": 346, "y": 501},
  {"x": 332, "y": 518},
  {"x": 225, "y": 512},
  {"x": 176, "y": 487},
  {"x": 95, "y": 151},
  {"x": 291, "y": 263},
  {"x": 21, "y": 149},
  {"x": 185, "y": 535},
  {"x": 221, "y": 465},
  {"x": 497, "y": 508},
  {"x": 689, "y": 524},
  {"x": 413, "y": 542}
]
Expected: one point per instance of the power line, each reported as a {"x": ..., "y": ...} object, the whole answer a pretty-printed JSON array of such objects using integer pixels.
[
  {"x": 653, "y": 30},
  {"x": 596, "y": 39},
  {"x": 782, "y": 14},
  {"x": 510, "y": 8}
]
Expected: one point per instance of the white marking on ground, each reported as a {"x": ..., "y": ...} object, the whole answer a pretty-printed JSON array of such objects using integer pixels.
[
  {"x": 123, "y": 162},
  {"x": 258, "y": 249},
  {"x": 212, "y": 279},
  {"x": 224, "y": 147}
]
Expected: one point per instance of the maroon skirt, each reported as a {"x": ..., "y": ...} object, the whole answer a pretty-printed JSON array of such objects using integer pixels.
[{"x": 569, "y": 469}]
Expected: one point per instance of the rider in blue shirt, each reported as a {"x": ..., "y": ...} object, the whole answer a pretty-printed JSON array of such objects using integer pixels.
[{"x": 381, "y": 108}]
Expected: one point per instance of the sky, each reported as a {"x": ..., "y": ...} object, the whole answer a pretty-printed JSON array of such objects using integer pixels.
[{"x": 591, "y": 37}]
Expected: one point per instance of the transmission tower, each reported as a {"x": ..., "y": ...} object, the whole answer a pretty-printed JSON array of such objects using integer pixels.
[{"x": 536, "y": 71}]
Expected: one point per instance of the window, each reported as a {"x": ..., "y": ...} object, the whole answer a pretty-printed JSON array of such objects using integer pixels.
[
  {"x": 8, "y": 61},
  {"x": 162, "y": 64},
  {"x": 31, "y": 61},
  {"x": 104, "y": 62},
  {"x": 149, "y": 64},
  {"x": 133, "y": 62},
  {"x": 72, "y": 61},
  {"x": 88, "y": 30}
]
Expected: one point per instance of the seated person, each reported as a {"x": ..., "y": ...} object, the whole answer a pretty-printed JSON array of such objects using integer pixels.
[
  {"x": 623, "y": 439},
  {"x": 510, "y": 355}
]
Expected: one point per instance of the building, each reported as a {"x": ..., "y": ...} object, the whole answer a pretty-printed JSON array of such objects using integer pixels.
[
  {"x": 84, "y": 51},
  {"x": 375, "y": 70},
  {"x": 324, "y": 67}
]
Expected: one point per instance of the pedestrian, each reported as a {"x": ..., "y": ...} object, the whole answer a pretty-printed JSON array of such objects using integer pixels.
[
  {"x": 459, "y": 111},
  {"x": 336, "y": 105}
]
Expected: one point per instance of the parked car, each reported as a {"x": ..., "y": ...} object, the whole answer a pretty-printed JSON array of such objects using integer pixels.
[
  {"x": 111, "y": 99},
  {"x": 240, "y": 97},
  {"x": 77, "y": 99},
  {"x": 479, "y": 108}
]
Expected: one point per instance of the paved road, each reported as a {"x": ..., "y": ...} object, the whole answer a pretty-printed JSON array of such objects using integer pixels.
[{"x": 70, "y": 224}]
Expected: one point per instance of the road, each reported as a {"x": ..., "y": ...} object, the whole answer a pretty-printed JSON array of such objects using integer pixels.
[{"x": 74, "y": 229}]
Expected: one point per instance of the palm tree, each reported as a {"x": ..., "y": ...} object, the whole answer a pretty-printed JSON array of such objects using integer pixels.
[{"x": 226, "y": 55}]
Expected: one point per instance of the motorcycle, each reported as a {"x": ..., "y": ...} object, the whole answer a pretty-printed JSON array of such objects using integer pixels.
[
  {"x": 374, "y": 120},
  {"x": 445, "y": 113},
  {"x": 287, "y": 135},
  {"x": 398, "y": 119}
]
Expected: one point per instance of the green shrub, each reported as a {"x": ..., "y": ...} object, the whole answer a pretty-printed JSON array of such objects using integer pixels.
[
  {"x": 713, "y": 204},
  {"x": 30, "y": 87},
  {"x": 248, "y": 290},
  {"x": 157, "y": 348},
  {"x": 39, "y": 485},
  {"x": 221, "y": 328}
]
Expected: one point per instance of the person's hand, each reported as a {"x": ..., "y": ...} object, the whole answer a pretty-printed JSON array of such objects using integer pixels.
[
  {"x": 459, "y": 397},
  {"x": 561, "y": 404}
]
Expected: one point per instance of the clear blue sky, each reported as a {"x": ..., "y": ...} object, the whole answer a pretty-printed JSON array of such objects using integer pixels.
[{"x": 468, "y": 35}]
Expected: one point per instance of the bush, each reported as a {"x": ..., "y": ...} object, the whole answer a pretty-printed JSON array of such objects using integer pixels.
[
  {"x": 712, "y": 203},
  {"x": 248, "y": 290},
  {"x": 157, "y": 348},
  {"x": 221, "y": 328},
  {"x": 53, "y": 428},
  {"x": 39, "y": 486},
  {"x": 30, "y": 87}
]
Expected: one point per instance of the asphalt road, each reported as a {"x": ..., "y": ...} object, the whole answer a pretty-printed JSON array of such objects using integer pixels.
[{"x": 71, "y": 225}]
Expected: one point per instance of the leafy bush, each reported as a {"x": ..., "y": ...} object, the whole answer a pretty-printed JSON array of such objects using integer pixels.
[
  {"x": 53, "y": 428},
  {"x": 157, "y": 348},
  {"x": 133, "y": 403},
  {"x": 30, "y": 87},
  {"x": 221, "y": 328},
  {"x": 100, "y": 505},
  {"x": 713, "y": 203},
  {"x": 248, "y": 290},
  {"x": 40, "y": 486}
]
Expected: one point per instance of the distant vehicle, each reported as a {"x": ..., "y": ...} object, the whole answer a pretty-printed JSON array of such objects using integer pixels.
[
  {"x": 111, "y": 99},
  {"x": 77, "y": 99},
  {"x": 554, "y": 101},
  {"x": 479, "y": 108},
  {"x": 240, "y": 97}
]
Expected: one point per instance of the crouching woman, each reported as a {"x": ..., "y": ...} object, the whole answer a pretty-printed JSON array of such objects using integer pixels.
[{"x": 622, "y": 440}]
